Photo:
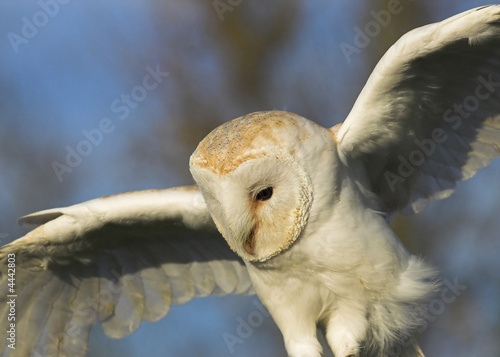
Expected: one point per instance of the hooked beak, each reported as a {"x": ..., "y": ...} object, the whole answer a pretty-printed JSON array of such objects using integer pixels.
[
  {"x": 239, "y": 236},
  {"x": 249, "y": 244}
]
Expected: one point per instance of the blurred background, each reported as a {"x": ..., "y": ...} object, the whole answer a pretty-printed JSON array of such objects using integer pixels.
[{"x": 68, "y": 68}]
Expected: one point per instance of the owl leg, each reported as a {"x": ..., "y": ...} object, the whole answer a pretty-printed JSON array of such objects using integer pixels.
[
  {"x": 346, "y": 328},
  {"x": 300, "y": 340},
  {"x": 299, "y": 332},
  {"x": 295, "y": 306},
  {"x": 296, "y": 321}
]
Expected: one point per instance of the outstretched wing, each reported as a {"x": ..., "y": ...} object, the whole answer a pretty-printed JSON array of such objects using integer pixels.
[
  {"x": 429, "y": 114},
  {"x": 115, "y": 260}
]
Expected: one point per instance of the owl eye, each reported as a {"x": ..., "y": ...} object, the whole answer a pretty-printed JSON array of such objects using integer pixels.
[{"x": 264, "y": 194}]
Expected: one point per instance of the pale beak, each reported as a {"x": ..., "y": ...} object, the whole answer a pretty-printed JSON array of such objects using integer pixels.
[{"x": 249, "y": 244}]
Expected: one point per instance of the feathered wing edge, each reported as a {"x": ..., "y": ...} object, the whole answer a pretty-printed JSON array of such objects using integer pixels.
[
  {"x": 428, "y": 116},
  {"x": 117, "y": 260}
]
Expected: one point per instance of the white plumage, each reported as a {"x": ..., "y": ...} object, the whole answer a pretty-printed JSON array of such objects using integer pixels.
[{"x": 304, "y": 208}]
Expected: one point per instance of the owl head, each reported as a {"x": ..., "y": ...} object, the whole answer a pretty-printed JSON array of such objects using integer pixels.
[{"x": 255, "y": 176}]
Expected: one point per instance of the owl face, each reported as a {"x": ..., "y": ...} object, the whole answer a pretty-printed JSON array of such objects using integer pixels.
[{"x": 255, "y": 182}]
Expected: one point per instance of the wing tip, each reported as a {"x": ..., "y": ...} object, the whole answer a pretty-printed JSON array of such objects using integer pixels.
[{"x": 40, "y": 217}]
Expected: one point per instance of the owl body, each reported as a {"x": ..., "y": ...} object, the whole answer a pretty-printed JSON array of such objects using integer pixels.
[
  {"x": 362, "y": 287},
  {"x": 318, "y": 252}
]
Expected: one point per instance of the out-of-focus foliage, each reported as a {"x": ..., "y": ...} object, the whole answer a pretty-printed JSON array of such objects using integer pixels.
[{"x": 82, "y": 62}]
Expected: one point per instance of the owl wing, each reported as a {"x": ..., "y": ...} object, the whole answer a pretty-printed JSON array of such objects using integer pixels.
[
  {"x": 115, "y": 260},
  {"x": 429, "y": 114}
]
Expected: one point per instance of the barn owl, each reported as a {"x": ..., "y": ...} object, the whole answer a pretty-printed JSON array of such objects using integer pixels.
[{"x": 283, "y": 208}]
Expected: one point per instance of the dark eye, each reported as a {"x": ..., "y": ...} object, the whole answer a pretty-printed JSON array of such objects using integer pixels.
[{"x": 265, "y": 194}]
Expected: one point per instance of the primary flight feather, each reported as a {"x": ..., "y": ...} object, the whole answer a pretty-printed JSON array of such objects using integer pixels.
[{"x": 283, "y": 208}]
